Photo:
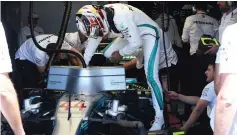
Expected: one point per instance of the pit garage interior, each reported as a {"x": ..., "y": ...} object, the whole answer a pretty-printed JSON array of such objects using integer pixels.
[{"x": 92, "y": 106}]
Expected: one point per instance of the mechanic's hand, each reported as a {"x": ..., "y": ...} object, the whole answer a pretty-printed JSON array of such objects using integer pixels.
[
  {"x": 116, "y": 56},
  {"x": 184, "y": 129},
  {"x": 173, "y": 95},
  {"x": 199, "y": 53},
  {"x": 213, "y": 50}
]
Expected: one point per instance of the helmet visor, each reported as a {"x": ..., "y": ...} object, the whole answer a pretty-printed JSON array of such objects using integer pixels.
[{"x": 83, "y": 25}]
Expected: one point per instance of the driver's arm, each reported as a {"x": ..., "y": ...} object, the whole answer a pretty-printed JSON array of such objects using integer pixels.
[
  {"x": 136, "y": 62},
  {"x": 126, "y": 25},
  {"x": 40, "y": 59},
  {"x": 92, "y": 45}
]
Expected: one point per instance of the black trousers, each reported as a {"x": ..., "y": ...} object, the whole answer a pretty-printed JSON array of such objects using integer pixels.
[
  {"x": 195, "y": 82},
  {"x": 201, "y": 129},
  {"x": 28, "y": 75},
  {"x": 173, "y": 76},
  {"x": 139, "y": 74}
]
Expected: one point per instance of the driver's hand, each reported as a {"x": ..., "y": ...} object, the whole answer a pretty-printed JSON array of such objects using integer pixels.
[
  {"x": 184, "y": 129},
  {"x": 116, "y": 56}
]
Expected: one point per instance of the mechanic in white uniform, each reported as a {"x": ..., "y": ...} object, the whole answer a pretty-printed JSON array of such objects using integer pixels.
[
  {"x": 207, "y": 100},
  {"x": 133, "y": 29},
  {"x": 196, "y": 26},
  {"x": 25, "y": 31},
  {"x": 226, "y": 108},
  {"x": 229, "y": 17},
  {"x": 229, "y": 10},
  {"x": 171, "y": 30},
  {"x": 31, "y": 61},
  {"x": 9, "y": 105}
]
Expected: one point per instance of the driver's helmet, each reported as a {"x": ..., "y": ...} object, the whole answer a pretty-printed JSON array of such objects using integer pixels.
[{"x": 91, "y": 22}]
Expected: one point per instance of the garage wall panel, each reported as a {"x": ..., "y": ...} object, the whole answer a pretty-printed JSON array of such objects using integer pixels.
[{"x": 51, "y": 14}]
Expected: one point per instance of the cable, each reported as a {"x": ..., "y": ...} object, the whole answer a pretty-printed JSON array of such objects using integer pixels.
[
  {"x": 166, "y": 60},
  {"x": 167, "y": 66},
  {"x": 157, "y": 6},
  {"x": 165, "y": 29},
  {"x": 174, "y": 41},
  {"x": 69, "y": 107},
  {"x": 63, "y": 28}
]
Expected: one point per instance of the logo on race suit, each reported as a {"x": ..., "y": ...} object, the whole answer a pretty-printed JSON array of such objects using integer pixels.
[
  {"x": 125, "y": 33},
  {"x": 121, "y": 26},
  {"x": 223, "y": 52}
]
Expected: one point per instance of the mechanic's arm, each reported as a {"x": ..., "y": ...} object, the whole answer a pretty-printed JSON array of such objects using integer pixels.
[
  {"x": 9, "y": 104},
  {"x": 192, "y": 100},
  {"x": 41, "y": 59},
  {"x": 226, "y": 107},
  {"x": 74, "y": 59},
  {"x": 217, "y": 72},
  {"x": 217, "y": 78},
  {"x": 8, "y": 98},
  {"x": 216, "y": 31},
  {"x": 126, "y": 25},
  {"x": 213, "y": 50},
  {"x": 200, "y": 107},
  {"x": 41, "y": 68}
]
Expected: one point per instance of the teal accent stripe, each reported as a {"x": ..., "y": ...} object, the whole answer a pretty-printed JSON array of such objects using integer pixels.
[
  {"x": 106, "y": 48},
  {"x": 150, "y": 70}
]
